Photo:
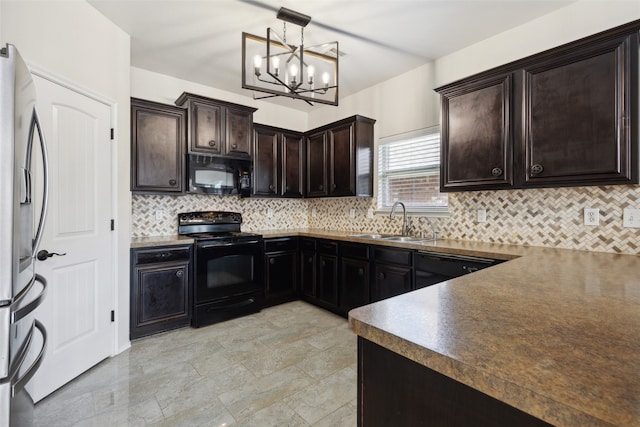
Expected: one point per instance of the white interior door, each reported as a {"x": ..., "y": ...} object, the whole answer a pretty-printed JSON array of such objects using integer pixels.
[{"x": 77, "y": 308}]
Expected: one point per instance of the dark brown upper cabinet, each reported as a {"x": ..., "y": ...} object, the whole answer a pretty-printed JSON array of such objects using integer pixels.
[
  {"x": 316, "y": 162},
  {"x": 158, "y": 133},
  {"x": 218, "y": 128},
  {"x": 278, "y": 162},
  {"x": 340, "y": 159},
  {"x": 577, "y": 110},
  {"x": 564, "y": 117},
  {"x": 477, "y": 135}
]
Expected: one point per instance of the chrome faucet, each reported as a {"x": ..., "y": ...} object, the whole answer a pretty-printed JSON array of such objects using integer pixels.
[
  {"x": 433, "y": 229},
  {"x": 405, "y": 225}
]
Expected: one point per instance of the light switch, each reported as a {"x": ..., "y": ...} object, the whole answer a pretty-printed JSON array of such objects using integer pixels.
[
  {"x": 269, "y": 213},
  {"x": 482, "y": 215},
  {"x": 631, "y": 218},
  {"x": 159, "y": 215},
  {"x": 352, "y": 213}
]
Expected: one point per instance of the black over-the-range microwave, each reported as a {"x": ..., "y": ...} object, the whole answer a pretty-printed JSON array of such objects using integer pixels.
[{"x": 219, "y": 175}]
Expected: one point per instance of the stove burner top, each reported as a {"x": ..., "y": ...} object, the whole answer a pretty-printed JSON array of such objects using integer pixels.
[
  {"x": 220, "y": 235},
  {"x": 214, "y": 226}
]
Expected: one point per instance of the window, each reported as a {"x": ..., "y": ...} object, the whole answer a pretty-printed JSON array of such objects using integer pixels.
[{"x": 409, "y": 171}]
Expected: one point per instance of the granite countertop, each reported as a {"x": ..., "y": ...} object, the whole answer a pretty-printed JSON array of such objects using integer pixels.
[{"x": 553, "y": 332}]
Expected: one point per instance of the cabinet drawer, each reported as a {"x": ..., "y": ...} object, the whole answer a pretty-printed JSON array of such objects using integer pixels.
[
  {"x": 307, "y": 244},
  {"x": 327, "y": 247},
  {"x": 161, "y": 255},
  {"x": 354, "y": 251},
  {"x": 393, "y": 256},
  {"x": 278, "y": 245}
]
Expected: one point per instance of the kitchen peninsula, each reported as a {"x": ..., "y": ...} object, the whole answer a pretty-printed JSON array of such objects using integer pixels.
[{"x": 554, "y": 333}]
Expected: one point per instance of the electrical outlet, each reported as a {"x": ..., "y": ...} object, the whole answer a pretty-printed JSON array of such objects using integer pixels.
[
  {"x": 482, "y": 215},
  {"x": 352, "y": 213},
  {"x": 269, "y": 213},
  {"x": 370, "y": 213},
  {"x": 314, "y": 212},
  {"x": 591, "y": 216},
  {"x": 159, "y": 215},
  {"x": 631, "y": 218}
]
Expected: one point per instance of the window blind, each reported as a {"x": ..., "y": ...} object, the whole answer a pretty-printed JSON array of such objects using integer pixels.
[{"x": 409, "y": 171}]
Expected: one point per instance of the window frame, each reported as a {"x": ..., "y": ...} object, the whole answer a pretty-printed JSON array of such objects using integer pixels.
[{"x": 431, "y": 211}]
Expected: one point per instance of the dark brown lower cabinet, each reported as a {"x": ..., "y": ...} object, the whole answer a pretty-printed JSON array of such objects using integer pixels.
[
  {"x": 160, "y": 289},
  {"x": 393, "y": 273},
  {"x": 327, "y": 274},
  {"x": 355, "y": 277},
  {"x": 308, "y": 273},
  {"x": 281, "y": 272},
  {"x": 396, "y": 391}
]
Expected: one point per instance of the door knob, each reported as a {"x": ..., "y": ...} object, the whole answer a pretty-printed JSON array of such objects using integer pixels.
[{"x": 44, "y": 254}]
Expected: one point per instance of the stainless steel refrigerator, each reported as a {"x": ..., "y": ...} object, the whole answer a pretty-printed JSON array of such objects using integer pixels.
[{"x": 22, "y": 217}]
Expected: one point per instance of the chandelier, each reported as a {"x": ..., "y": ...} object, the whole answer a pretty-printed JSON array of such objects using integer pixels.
[{"x": 274, "y": 66}]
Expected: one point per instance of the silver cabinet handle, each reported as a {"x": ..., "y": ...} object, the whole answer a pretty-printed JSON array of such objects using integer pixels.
[{"x": 536, "y": 169}]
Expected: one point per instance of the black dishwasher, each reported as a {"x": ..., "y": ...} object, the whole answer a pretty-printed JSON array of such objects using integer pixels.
[{"x": 434, "y": 267}]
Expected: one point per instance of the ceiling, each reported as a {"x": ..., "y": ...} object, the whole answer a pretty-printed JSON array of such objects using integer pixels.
[{"x": 200, "y": 41}]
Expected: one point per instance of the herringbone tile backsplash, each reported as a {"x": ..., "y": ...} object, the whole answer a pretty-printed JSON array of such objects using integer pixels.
[{"x": 536, "y": 217}]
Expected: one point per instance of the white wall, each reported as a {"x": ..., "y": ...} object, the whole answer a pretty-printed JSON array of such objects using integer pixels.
[
  {"x": 407, "y": 102},
  {"x": 404, "y": 103},
  {"x": 570, "y": 23},
  {"x": 72, "y": 41},
  {"x": 166, "y": 89}
]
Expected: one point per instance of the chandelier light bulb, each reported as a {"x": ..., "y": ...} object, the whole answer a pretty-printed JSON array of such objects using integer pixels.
[
  {"x": 293, "y": 69},
  {"x": 257, "y": 63},
  {"x": 275, "y": 63},
  {"x": 325, "y": 79},
  {"x": 310, "y": 72}
]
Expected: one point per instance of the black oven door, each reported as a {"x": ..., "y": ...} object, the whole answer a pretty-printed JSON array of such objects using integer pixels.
[{"x": 229, "y": 280}]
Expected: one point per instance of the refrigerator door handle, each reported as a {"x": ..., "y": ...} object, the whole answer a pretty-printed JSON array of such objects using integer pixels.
[
  {"x": 35, "y": 124},
  {"x": 18, "y": 312},
  {"x": 18, "y": 383}
]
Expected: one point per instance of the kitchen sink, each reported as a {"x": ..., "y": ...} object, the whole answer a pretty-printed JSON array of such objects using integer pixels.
[
  {"x": 371, "y": 236},
  {"x": 391, "y": 237},
  {"x": 403, "y": 239}
]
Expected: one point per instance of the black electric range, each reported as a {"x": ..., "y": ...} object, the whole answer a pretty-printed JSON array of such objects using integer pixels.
[{"x": 228, "y": 266}]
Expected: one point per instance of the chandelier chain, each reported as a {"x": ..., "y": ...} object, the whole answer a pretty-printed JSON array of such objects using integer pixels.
[
  {"x": 284, "y": 32},
  {"x": 302, "y": 35}
]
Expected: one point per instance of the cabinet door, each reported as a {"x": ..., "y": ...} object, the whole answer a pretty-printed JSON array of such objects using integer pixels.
[
  {"x": 308, "y": 273},
  {"x": 476, "y": 136},
  {"x": 159, "y": 298},
  {"x": 266, "y": 162},
  {"x": 239, "y": 124},
  {"x": 354, "y": 283},
  {"x": 292, "y": 165},
  {"x": 577, "y": 116},
  {"x": 327, "y": 284},
  {"x": 316, "y": 148},
  {"x": 342, "y": 161},
  {"x": 206, "y": 129},
  {"x": 281, "y": 275},
  {"x": 390, "y": 281},
  {"x": 157, "y": 147}
]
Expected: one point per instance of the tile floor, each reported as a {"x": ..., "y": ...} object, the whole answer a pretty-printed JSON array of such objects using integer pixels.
[{"x": 289, "y": 365}]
